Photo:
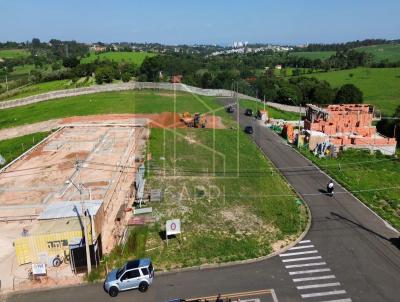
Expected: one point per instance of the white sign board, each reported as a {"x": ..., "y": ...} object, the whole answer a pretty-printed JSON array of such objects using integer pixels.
[
  {"x": 39, "y": 269},
  {"x": 173, "y": 227}
]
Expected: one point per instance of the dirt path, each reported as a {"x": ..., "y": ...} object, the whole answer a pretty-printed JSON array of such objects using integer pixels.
[{"x": 161, "y": 120}]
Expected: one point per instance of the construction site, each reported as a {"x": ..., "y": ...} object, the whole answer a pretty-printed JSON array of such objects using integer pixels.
[{"x": 79, "y": 175}]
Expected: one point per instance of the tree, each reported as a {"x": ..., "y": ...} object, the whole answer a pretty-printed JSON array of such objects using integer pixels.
[
  {"x": 206, "y": 80},
  {"x": 322, "y": 95},
  {"x": 126, "y": 77},
  {"x": 71, "y": 62},
  {"x": 350, "y": 94},
  {"x": 104, "y": 74}
]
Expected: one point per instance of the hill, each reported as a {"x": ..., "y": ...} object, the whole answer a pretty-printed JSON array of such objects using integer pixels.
[
  {"x": 381, "y": 86},
  {"x": 134, "y": 57},
  {"x": 390, "y": 52},
  {"x": 13, "y": 53},
  {"x": 313, "y": 55}
]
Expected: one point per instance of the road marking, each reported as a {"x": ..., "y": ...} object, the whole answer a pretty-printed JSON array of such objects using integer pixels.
[
  {"x": 234, "y": 295},
  {"x": 334, "y": 292},
  {"x": 314, "y": 278},
  {"x": 301, "y": 259},
  {"x": 301, "y": 247},
  {"x": 311, "y": 271},
  {"x": 298, "y": 253},
  {"x": 340, "y": 300},
  {"x": 318, "y": 285},
  {"x": 305, "y": 241},
  {"x": 306, "y": 264}
]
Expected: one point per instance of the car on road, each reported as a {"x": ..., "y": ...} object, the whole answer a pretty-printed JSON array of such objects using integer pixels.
[
  {"x": 135, "y": 274},
  {"x": 249, "y": 130},
  {"x": 248, "y": 112},
  {"x": 230, "y": 109}
]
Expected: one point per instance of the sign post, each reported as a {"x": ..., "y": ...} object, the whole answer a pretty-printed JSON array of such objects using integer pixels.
[{"x": 172, "y": 227}]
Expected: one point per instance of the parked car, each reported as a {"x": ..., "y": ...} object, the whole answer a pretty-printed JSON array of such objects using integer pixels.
[
  {"x": 230, "y": 109},
  {"x": 249, "y": 130},
  {"x": 134, "y": 274},
  {"x": 248, "y": 112}
]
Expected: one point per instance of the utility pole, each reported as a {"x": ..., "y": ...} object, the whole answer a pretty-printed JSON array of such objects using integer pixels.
[
  {"x": 83, "y": 209},
  {"x": 6, "y": 78}
]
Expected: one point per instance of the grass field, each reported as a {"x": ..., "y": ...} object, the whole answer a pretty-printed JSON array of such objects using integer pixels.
[
  {"x": 390, "y": 52},
  {"x": 44, "y": 87},
  {"x": 272, "y": 112},
  {"x": 373, "y": 171},
  {"x": 14, "y": 53},
  {"x": 114, "y": 102},
  {"x": 14, "y": 147},
  {"x": 313, "y": 55},
  {"x": 226, "y": 207},
  {"x": 381, "y": 86},
  {"x": 133, "y": 57}
]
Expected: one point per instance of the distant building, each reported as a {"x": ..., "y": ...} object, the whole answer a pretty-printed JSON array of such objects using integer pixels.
[
  {"x": 98, "y": 48},
  {"x": 176, "y": 78},
  {"x": 279, "y": 66},
  {"x": 346, "y": 126}
]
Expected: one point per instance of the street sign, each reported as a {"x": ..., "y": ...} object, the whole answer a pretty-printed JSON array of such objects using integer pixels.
[
  {"x": 173, "y": 227},
  {"x": 39, "y": 269}
]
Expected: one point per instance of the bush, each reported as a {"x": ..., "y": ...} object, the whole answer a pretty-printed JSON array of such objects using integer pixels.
[{"x": 126, "y": 77}]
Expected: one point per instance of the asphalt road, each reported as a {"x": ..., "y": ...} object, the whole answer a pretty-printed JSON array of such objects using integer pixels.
[{"x": 351, "y": 255}]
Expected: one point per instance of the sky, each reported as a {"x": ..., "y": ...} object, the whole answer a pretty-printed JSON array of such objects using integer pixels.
[{"x": 200, "y": 22}]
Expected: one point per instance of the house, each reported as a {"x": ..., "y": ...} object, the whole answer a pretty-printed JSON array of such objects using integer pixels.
[
  {"x": 176, "y": 78},
  {"x": 348, "y": 126},
  {"x": 279, "y": 66}
]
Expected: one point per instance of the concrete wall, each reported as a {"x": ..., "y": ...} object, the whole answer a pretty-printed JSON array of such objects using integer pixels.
[{"x": 136, "y": 85}]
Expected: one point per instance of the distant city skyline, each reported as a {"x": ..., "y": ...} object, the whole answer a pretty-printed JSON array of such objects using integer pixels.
[{"x": 285, "y": 22}]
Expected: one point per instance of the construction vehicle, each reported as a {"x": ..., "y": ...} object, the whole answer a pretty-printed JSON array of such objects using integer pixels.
[{"x": 196, "y": 120}]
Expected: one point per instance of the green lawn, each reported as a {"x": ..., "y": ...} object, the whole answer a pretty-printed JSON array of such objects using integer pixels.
[
  {"x": 373, "y": 172},
  {"x": 14, "y": 147},
  {"x": 39, "y": 88},
  {"x": 229, "y": 210},
  {"x": 14, "y": 53},
  {"x": 272, "y": 112},
  {"x": 390, "y": 52},
  {"x": 119, "y": 56},
  {"x": 122, "y": 102},
  {"x": 313, "y": 55},
  {"x": 381, "y": 86}
]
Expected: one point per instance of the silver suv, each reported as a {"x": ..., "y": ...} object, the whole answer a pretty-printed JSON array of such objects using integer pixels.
[{"x": 134, "y": 274}]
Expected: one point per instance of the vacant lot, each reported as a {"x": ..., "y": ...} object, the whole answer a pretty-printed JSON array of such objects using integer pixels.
[
  {"x": 14, "y": 53},
  {"x": 381, "y": 86},
  {"x": 314, "y": 55},
  {"x": 358, "y": 171},
  {"x": 389, "y": 52},
  {"x": 145, "y": 101},
  {"x": 119, "y": 56},
  {"x": 12, "y": 148},
  {"x": 226, "y": 194}
]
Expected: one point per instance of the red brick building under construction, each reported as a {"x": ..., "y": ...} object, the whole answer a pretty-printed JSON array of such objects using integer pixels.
[{"x": 347, "y": 126}]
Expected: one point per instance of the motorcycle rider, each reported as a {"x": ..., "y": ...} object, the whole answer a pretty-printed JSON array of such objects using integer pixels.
[{"x": 329, "y": 187}]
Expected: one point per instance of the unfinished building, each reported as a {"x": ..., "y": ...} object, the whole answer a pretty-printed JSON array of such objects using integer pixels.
[
  {"x": 91, "y": 165},
  {"x": 346, "y": 126}
]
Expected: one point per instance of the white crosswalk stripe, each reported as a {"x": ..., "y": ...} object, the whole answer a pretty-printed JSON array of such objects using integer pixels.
[
  {"x": 307, "y": 288},
  {"x": 339, "y": 300},
  {"x": 301, "y": 259},
  {"x": 298, "y": 253},
  {"x": 321, "y": 294},
  {"x": 305, "y": 264},
  {"x": 314, "y": 278},
  {"x": 301, "y": 247},
  {"x": 318, "y": 285},
  {"x": 311, "y": 271}
]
